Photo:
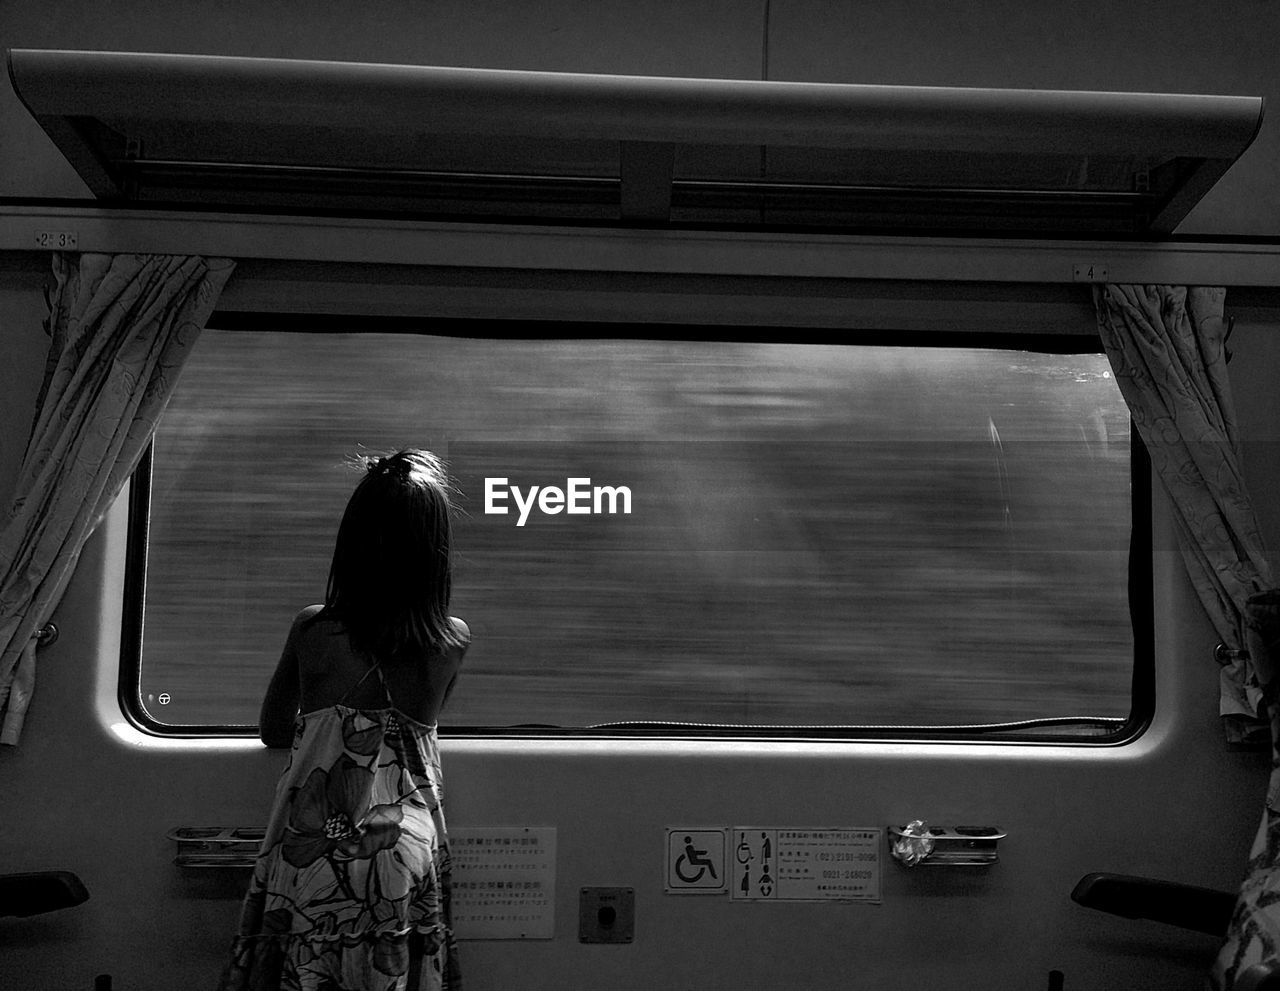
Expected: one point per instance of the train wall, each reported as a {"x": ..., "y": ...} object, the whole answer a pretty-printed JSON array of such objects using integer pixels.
[{"x": 85, "y": 795}]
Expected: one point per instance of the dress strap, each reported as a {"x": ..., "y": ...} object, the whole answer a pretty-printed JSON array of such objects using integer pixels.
[{"x": 386, "y": 692}]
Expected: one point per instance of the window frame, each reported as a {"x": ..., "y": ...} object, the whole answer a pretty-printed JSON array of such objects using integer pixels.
[{"x": 1029, "y": 732}]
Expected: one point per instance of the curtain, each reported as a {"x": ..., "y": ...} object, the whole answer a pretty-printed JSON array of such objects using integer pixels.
[
  {"x": 1166, "y": 346},
  {"x": 121, "y": 327},
  {"x": 1252, "y": 946}
]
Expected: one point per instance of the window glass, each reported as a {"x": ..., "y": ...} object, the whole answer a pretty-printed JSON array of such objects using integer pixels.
[{"x": 763, "y": 534}]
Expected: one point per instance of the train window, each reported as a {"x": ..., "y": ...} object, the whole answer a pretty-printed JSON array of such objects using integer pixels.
[{"x": 667, "y": 535}]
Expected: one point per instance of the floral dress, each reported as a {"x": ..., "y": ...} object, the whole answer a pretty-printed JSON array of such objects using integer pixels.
[{"x": 350, "y": 891}]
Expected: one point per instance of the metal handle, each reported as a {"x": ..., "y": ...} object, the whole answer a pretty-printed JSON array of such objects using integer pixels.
[{"x": 958, "y": 846}]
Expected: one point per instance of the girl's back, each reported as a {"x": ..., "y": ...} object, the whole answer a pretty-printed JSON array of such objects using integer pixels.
[{"x": 332, "y": 673}]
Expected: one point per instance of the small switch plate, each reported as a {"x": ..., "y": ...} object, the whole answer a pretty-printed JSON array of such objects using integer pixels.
[{"x": 606, "y": 915}]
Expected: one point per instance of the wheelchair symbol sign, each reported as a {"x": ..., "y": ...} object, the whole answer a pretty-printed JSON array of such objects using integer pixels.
[{"x": 695, "y": 861}]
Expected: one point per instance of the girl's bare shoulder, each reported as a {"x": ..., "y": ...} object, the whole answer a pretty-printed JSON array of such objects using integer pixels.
[
  {"x": 317, "y": 639},
  {"x": 453, "y": 654},
  {"x": 308, "y": 614}
]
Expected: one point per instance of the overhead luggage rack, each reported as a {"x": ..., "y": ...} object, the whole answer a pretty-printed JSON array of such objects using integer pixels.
[{"x": 323, "y": 138}]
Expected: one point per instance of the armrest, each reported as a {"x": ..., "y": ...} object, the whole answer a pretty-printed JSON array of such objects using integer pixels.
[
  {"x": 1205, "y": 910},
  {"x": 42, "y": 891}
]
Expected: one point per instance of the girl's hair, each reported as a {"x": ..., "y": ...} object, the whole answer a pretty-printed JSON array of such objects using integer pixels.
[{"x": 390, "y": 581}]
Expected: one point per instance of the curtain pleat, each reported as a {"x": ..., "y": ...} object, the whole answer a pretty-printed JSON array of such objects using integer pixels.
[{"x": 121, "y": 327}]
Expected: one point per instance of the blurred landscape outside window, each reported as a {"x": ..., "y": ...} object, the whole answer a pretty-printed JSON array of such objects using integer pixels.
[{"x": 817, "y": 534}]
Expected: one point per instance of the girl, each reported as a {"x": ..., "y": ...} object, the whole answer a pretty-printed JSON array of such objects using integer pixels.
[{"x": 351, "y": 888}]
